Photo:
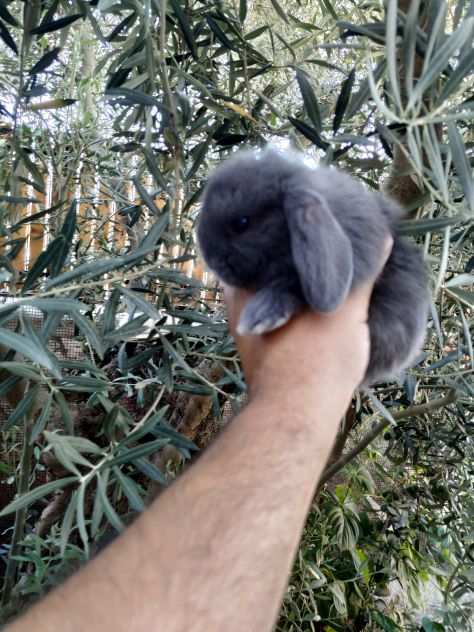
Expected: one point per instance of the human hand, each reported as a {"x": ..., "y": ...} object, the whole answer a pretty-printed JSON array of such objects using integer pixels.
[{"x": 311, "y": 347}]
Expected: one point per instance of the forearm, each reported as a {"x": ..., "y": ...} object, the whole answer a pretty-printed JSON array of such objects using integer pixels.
[{"x": 214, "y": 551}]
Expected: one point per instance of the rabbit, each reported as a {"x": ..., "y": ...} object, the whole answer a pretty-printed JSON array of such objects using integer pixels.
[{"x": 302, "y": 236}]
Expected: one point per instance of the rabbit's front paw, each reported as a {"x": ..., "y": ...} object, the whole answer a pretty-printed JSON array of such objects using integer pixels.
[{"x": 269, "y": 309}]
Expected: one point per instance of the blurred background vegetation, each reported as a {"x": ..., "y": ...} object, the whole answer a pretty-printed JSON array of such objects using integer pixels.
[{"x": 116, "y": 364}]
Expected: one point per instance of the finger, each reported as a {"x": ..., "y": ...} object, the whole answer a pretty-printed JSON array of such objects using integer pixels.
[
  {"x": 360, "y": 297},
  {"x": 235, "y": 300}
]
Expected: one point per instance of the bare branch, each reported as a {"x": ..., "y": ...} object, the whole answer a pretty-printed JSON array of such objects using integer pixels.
[{"x": 413, "y": 411}]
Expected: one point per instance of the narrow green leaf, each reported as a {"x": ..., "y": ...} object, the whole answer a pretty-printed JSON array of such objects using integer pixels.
[
  {"x": 146, "y": 197},
  {"x": 110, "y": 312},
  {"x": 23, "y": 408},
  {"x": 130, "y": 489},
  {"x": 435, "y": 29},
  {"x": 287, "y": 45},
  {"x": 142, "y": 304},
  {"x": 97, "y": 511},
  {"x": 23, "y": 370},
  {"x": 55, "y": 25},
  {"x": 112, "y": 515},
  {"x": 376, "y": 97},
  {"x": 45, "y": 260},
  {"x": 242, "y": 10},
  {"x": 46, "y": 61},
  {"x": 374, "y": 31},
  {"x": 380, "y": 408},
  {"x": 67, "y": 523},
  {"x": 6, "y": 15},
  {"x": 462, "y": 164},
  {"x": 440, "y": 60},
  {"x": 134, "y": 97},
  {"x": 152, "y": 165},
  {"x": 422, "y": 226},
  {"x": 150, "y": 470},
  {"x": 70, "y": 222},
  {"x": 278, "y": 8},
  {"x": 409, "y": 43},
  {"x": 460, "y": 279},
  {"x": 138, "y": 452},
  {"x": 126, "y": 22},
  {"x": 309, "y": 100},
  {"x": 65, "y": 412},
  {"x": 154, "y": 234},
  {"x": 391, "y": 51},
  {"x": 30, "y": 350},
  {"x": 30, "y": 166},
  {"x": 464, "y": 296},
  {"x": 62, "y": 305},
  {"x": 194, "y": 82},
  {"x": 65, "y": 240},
  {"x": 41, "y": 420},
  {"x": 327, "y": 4},
  {"x": 129, "y": 330},
  {"x": 80, "y": 444},
  {"x": 87, "y": 271},
  {"x": 149, "y": 426},
  {"x": 185, "y": 27},
  {"x": 18, "y": 199},
  {"x": 462, "y": 71},
  {"x": 305, "y": 26},
  {"x": 343, "y": 100},
  {"x": 81, "y": 517},
  {"x": 36, "y": 494},
  {"x": 8, "y": 384},
  {"x": 309, "y": 132},
  {"x": 90, "y": 332},
  {"x": 7, "y": 38},
  {"x": 7, "y": 312},
  {"x": 199, "y": 157},
  {"x": 359, "y": 98},
  {"x": 257, "y": 32},
  {"x": 83, "y": 384},
  {"x": 219, "y": 33}
]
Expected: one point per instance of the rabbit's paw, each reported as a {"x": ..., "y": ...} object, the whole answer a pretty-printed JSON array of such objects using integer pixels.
[{"x": 269, "y": 309}]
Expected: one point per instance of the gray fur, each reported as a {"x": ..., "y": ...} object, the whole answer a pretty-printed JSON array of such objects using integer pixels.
[{"x": 312, "y": 235}]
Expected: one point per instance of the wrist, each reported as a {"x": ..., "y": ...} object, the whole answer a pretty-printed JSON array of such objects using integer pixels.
[{"x": 306, "y": 365}]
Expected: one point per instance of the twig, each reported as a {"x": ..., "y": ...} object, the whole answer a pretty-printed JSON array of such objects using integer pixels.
[{"x": 413, "y": 411}]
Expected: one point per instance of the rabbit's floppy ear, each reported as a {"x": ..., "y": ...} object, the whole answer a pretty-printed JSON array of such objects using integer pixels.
[{"x": 321, "y": 251}]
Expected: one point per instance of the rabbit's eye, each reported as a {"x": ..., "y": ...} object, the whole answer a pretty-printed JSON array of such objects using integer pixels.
[{"x": 240, "y": 224}]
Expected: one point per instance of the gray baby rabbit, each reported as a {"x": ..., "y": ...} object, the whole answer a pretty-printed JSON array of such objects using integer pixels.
[{"x": 298, "y": 236}]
